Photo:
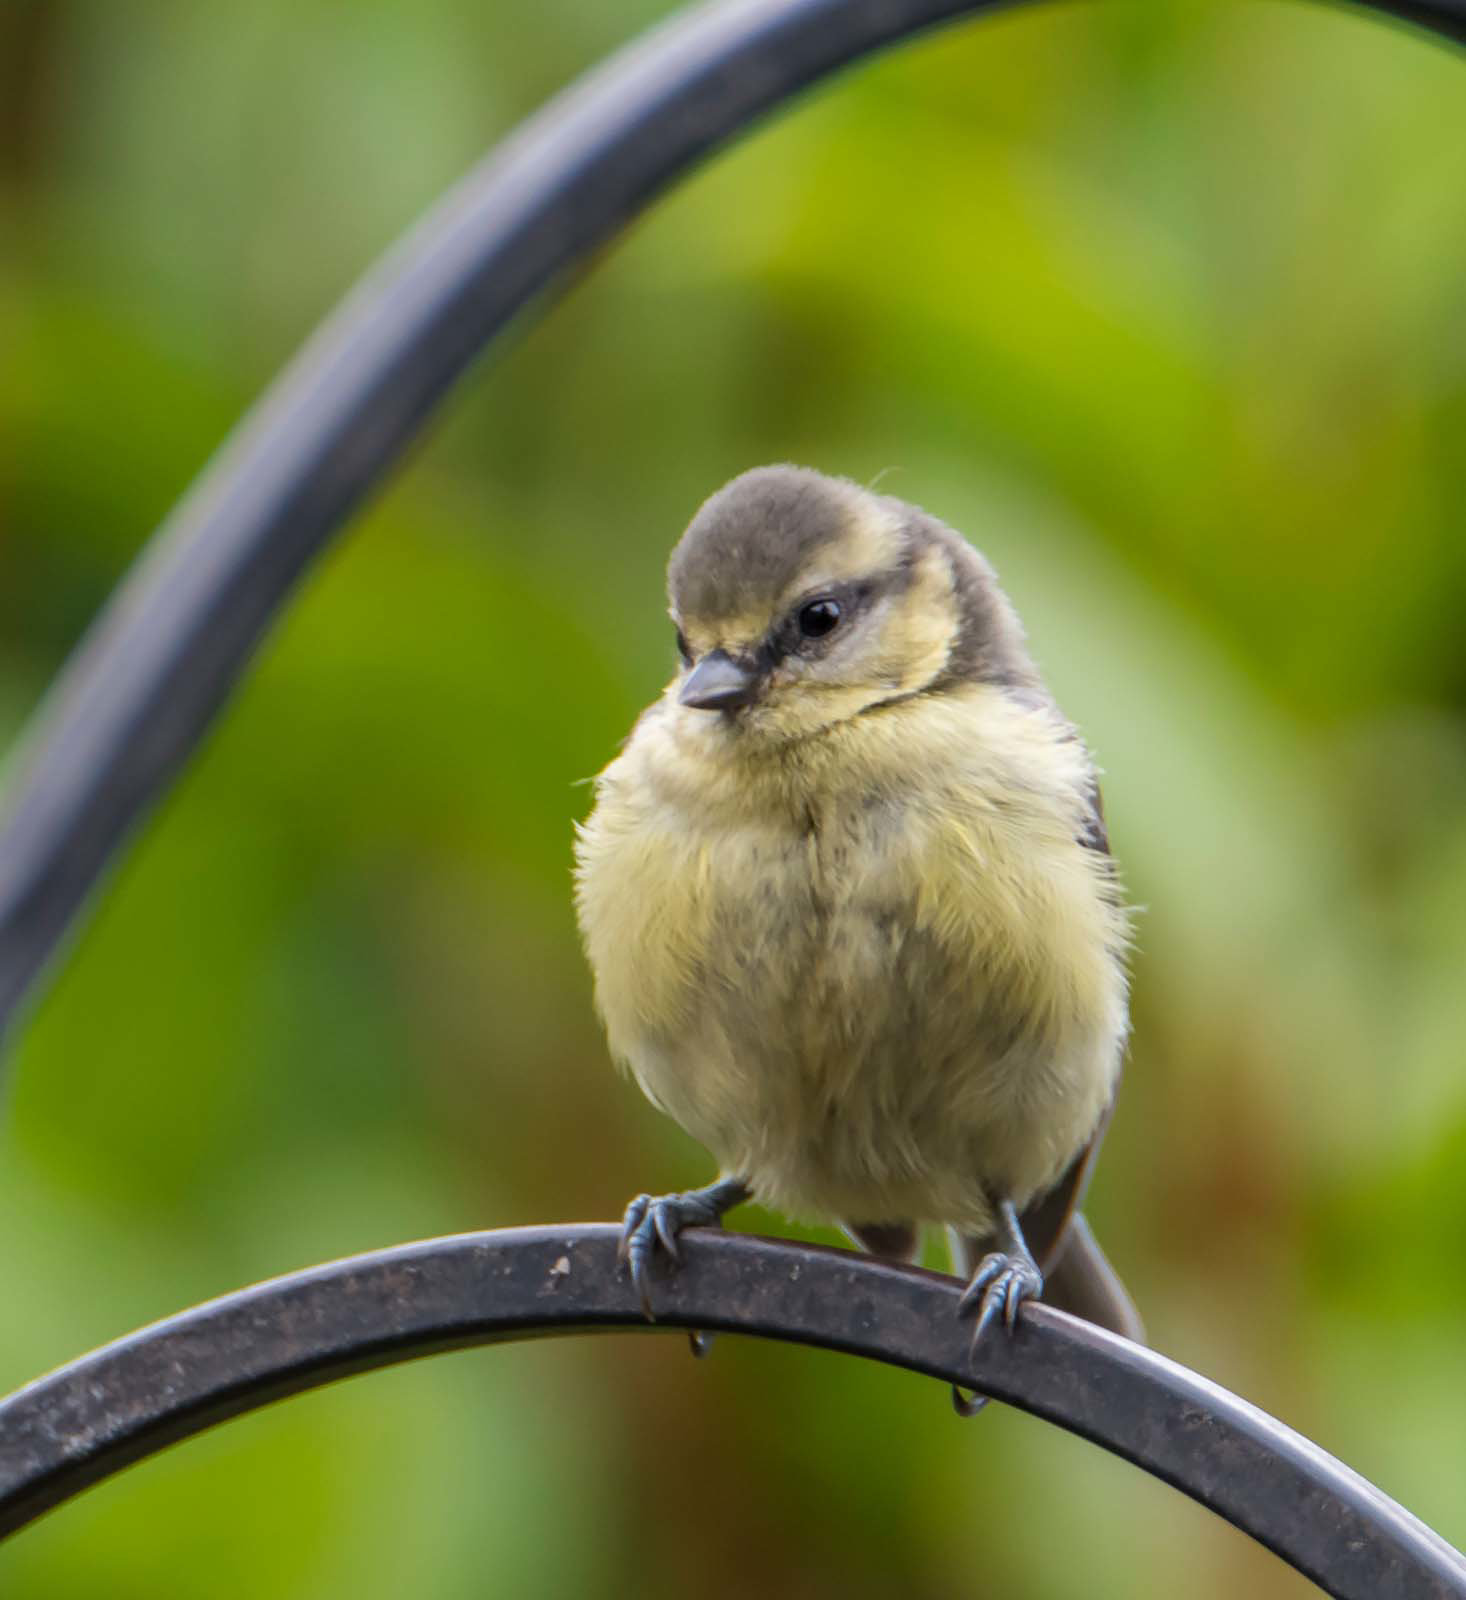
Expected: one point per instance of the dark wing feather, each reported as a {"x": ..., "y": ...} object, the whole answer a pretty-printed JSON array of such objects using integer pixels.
[
  {"x": 1095, "y": 835},
  {"x": 1080, "y": 1278},
  {"x": 1046, "y": 1221}
]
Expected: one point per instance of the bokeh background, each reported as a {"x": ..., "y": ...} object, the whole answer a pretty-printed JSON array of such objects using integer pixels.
[{"x": 1165, "y": 306}]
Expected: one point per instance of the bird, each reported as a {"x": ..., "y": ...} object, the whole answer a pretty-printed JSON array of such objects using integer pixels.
[{"x": 848, "y": 901}]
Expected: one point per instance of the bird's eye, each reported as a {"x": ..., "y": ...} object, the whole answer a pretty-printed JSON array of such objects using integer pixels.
[
  {"x": 818, "y": 618},
  {"x": 682, "y": 649}
]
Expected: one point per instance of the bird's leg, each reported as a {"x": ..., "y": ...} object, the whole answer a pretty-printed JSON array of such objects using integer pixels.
[
  {"x": 1005, "y": 1278},
  {"x": 654, "y": 1219},
  {"x": 1003, "y": 1281}
]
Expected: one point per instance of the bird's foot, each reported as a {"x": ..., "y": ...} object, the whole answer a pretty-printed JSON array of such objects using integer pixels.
[
  {"x": 1001, "y": 1284},
  {"x": 1003, "y": 1281},
  {"x": 657, "y": 1219}
]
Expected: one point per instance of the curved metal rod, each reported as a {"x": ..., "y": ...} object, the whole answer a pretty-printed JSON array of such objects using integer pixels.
[
  {"x": 144, "y": 685},
  {"x": 129, "y": 1399}
]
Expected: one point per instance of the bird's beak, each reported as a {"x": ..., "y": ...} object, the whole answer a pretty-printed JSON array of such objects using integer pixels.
[{"x": 719, "y": 683}]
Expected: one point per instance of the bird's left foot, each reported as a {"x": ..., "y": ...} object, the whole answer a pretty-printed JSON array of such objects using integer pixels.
[
  {"x": 999, "y": 1287},
  {"x": 1003, "y": 1281},
  {"x": 651, "y": 1220}
]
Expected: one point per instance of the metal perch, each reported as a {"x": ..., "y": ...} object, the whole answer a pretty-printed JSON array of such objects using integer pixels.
[{"x": 132, "y": 1398}]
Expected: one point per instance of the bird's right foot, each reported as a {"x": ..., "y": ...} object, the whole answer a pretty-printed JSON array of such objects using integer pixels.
[{"x": 651, "y": 1220}]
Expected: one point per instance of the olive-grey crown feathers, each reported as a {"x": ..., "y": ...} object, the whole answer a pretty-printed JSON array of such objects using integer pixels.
[
  {"x": 750, "y": 541},
  {"x": 752, "y": 538}
]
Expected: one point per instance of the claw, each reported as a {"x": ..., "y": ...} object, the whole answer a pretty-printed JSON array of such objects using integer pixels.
[
  {"x": 643, "y": 1289},
  {"x": 989, "y": 1269},
  {"x": 967, "y": 1405},
  {"x": 1012, "y": 1300},
  {"x": 999, "y": 1288},
  {"x": 666, "y": 1232},
  {"x": 637, "y": 1252},
  {"x": 651, "y": 1220},
  {"x": 992, "y": 1303},
  {"x": 630, "y": 1222}
]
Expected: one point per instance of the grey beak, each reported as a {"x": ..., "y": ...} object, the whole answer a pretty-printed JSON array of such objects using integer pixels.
[{"x": 718, "y": 683}]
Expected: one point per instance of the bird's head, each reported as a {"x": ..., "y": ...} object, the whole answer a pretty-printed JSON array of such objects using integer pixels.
[{"x": 801, "y": 601}]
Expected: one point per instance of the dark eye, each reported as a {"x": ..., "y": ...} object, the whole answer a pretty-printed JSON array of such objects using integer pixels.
[
  {"x": 682, "y": 649},
  {"x": 818, "y": 618}
]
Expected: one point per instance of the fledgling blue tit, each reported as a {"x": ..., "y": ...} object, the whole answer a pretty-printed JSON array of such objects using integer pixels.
[{"x": 848, "y": 899}]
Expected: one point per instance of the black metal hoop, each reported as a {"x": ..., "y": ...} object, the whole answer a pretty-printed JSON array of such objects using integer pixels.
[
  {"x": 157, "y": 667},
  {"x": 132, "y": 1398}
]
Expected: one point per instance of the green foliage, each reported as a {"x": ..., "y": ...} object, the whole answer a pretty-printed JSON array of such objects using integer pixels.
[{"x": 1162, "y": 305}]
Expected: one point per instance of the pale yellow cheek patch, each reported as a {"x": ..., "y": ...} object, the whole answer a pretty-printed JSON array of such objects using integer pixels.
[{"x": 918, "y": 638}]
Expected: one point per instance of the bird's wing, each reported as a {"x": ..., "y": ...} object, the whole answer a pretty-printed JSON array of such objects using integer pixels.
[
  {"x": 1095, "y": 835},
  {"x": 1080, "y": 1279},
  {"x": 1046, "y": 1221},
  {"x": 1078, "y": 1276}
]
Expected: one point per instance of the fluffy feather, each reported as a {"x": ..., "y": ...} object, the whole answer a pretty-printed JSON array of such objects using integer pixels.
[{"x": 851, "y": 936}]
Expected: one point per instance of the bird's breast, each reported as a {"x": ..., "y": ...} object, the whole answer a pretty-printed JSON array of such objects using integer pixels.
[{"x": 873, "y": 988}]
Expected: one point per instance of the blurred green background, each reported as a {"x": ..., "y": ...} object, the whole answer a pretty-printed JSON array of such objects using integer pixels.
[{"x": 1163, "y": 305}]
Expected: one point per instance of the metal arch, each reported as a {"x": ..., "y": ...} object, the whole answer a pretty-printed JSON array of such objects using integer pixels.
[
  {"x": 129, "y": 1399},
  {"x": 142, "y": 688}
]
